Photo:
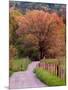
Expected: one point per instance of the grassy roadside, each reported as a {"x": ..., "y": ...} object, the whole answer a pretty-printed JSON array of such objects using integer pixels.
[
  {"x": 18, "y": 65},
  {"x": 47, "y": 78}
]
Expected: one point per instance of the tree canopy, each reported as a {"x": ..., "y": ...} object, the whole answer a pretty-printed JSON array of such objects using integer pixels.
[{"x": 41, "y": 33}]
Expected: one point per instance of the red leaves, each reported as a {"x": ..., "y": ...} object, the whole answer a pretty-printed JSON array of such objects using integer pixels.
[{"x": 45, "y": 26}]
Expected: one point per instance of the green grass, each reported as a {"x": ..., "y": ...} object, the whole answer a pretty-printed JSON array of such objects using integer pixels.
[
  {"x": 47, "y": 78},
  {"x": 18, "y": 65}
]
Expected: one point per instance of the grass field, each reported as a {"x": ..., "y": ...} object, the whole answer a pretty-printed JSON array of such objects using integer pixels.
[
  {"x": 48, "y": 78},
  {"x": 18, "y": 65}
]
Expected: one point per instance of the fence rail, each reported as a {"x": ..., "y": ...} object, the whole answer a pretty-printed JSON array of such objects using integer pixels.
[{"x": 54, "y": 69}]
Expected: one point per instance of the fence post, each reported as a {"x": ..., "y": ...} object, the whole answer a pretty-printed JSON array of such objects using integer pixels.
[{"x": 57, "y": 70}]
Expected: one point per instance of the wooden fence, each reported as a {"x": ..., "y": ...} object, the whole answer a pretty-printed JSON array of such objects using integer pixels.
[{"x": 54, "y": 69}]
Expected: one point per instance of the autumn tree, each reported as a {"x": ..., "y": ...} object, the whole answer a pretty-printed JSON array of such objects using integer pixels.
[
  {"x": 56, "y": 38},
  {"x": 27, "y": 42},
  {"x": 47, "y": 28},
  {"x": 13, "y": 26}
]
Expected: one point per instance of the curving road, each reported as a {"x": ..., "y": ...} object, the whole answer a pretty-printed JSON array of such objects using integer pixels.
[{"x": 26, "y": 79}]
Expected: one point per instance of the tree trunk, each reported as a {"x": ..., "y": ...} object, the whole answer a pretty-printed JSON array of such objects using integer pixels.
[
  {"x": 57, "y": 70},
  {"x": 41, "y": 50},
  {"x": 41, "y": 53}
]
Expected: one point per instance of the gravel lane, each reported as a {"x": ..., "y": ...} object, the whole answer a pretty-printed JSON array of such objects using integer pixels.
[{"x": 26, "y": 79}]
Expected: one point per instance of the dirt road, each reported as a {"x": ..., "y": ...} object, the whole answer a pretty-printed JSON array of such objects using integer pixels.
[{"x": 26, "y": 79}]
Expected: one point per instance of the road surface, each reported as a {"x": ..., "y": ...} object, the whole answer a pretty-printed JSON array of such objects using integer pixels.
[{"x": 26, "y": 79}]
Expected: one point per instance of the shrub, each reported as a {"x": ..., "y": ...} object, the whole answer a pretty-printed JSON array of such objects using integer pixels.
[
  {"x": 18, "y": 65},
  {"x": 47, "y": 78}
]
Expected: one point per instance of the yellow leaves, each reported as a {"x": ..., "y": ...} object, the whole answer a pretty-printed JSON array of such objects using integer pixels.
[
  {"x": 31, "y": 38},
  {"x": 15, "y": 13}
]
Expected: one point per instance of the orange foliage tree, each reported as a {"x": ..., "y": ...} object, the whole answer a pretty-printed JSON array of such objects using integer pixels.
[{"x": 48, "y": 28}]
